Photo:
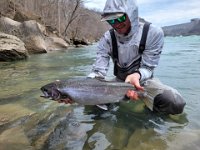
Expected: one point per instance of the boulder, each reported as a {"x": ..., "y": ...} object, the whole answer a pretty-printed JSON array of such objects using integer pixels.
[
  {"x": 11, "y": 48},
  {"x": 30, "y": 32},
  {"x": 35, "y": 44},
  {"x": 55, "y": 43},
  {"x": 33, "y": 37},
  {"x": 9, "y": 26},
  {"x": 33, "y": 34}
]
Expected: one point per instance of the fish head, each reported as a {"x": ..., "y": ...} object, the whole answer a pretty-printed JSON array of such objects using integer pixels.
[{"x": 51, "y": 91}]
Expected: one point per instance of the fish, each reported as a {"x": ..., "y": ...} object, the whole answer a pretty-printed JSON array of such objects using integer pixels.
[{"x": 87, "y": 91}]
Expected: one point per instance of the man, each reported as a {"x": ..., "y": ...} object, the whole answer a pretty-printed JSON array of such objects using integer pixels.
[{"x": 132, "y": 63}]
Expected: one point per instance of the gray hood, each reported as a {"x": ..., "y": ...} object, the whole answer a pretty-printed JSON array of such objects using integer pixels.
[{"x": 125, "y": 6}]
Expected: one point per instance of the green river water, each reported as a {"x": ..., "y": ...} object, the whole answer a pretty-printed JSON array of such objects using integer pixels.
[{"x": 28, "y": 121}]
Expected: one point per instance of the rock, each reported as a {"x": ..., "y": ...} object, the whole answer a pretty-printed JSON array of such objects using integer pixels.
[
  {"x": 55, "y": 43},
  {"x": 30, "y": 32},
  {"x": 11, "y": 48},
  {"x": 8, "y": 23},
  {"x": 67, "y": 39},
  {"x": 78, "y": 42},
  {"x": 7, "y": 115},
  {"x": 33, "y": 34},
  {"x": 16, "y": 142},
  {"x": 99, "y": 141},
  {"x": 21, "y": 16},
  {"x": 33, "y": 37},
  {"x": 32, "y": 27},
  {"x": 178, "y": 141},
  {"x": 35, "y": 44},
  {"x": 145, "y": 139},
  {"x": 9, "y": 26}
]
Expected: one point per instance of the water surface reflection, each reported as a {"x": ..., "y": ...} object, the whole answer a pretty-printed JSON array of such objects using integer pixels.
[{"x": 30, "y": 122}]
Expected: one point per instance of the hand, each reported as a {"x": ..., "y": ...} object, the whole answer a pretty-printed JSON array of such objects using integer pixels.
[
  {"x": 66, "y": 101},
  {"x": 134, "y": 79}
]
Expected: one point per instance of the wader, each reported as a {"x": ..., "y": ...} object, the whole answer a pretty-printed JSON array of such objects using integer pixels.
[
  {"x": 122, "y": 72},
  {"x": 162, "y": 98}
]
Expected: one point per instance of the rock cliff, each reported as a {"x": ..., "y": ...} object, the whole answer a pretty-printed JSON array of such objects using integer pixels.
[{"x": 185, "y": 29}]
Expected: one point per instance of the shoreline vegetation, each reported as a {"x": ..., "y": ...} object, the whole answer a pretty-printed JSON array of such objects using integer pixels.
[{"x": 42, "y": 26}]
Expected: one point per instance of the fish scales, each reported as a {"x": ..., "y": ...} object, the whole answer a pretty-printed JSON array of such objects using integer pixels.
[{"x": 87, "y": 91}]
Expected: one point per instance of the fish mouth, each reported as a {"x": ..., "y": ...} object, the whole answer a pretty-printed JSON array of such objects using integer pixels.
[
  {"x": 52, "y": 94},
  {"x": 45, "y": 94}
]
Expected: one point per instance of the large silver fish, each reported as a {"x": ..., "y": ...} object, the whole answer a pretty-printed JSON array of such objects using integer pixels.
[{"x": 88, "y": 91}]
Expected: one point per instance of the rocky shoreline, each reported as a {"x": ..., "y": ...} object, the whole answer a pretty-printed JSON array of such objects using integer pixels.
[
  {"x": 42, "y": 30},
  {"x": 19, "y": 39}
]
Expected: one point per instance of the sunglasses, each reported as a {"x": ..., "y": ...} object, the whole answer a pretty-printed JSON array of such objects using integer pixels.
[{"x": 120, "y": 20}]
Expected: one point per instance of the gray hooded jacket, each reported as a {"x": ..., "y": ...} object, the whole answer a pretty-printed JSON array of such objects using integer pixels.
[{"x": 128, "y": 45}]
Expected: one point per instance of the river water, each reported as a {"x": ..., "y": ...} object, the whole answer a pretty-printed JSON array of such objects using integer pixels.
[{"x": 30, "y": 122}]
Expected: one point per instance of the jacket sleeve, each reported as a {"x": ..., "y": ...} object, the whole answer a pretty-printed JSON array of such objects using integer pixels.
[
  {"x": 152, "y": 52},
  {"x": 101, "y": 65}
]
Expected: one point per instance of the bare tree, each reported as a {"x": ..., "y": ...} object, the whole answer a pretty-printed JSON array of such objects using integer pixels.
[
  {"x": 65, "y": 17},
  {"x": 73, "y": 14}
]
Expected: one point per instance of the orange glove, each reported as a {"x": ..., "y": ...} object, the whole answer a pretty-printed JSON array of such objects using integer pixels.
[{"x": 132, "y": 95}]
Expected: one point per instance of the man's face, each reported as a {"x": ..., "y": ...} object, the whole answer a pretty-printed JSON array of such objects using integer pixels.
[{"x": 122, "y": 24}]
